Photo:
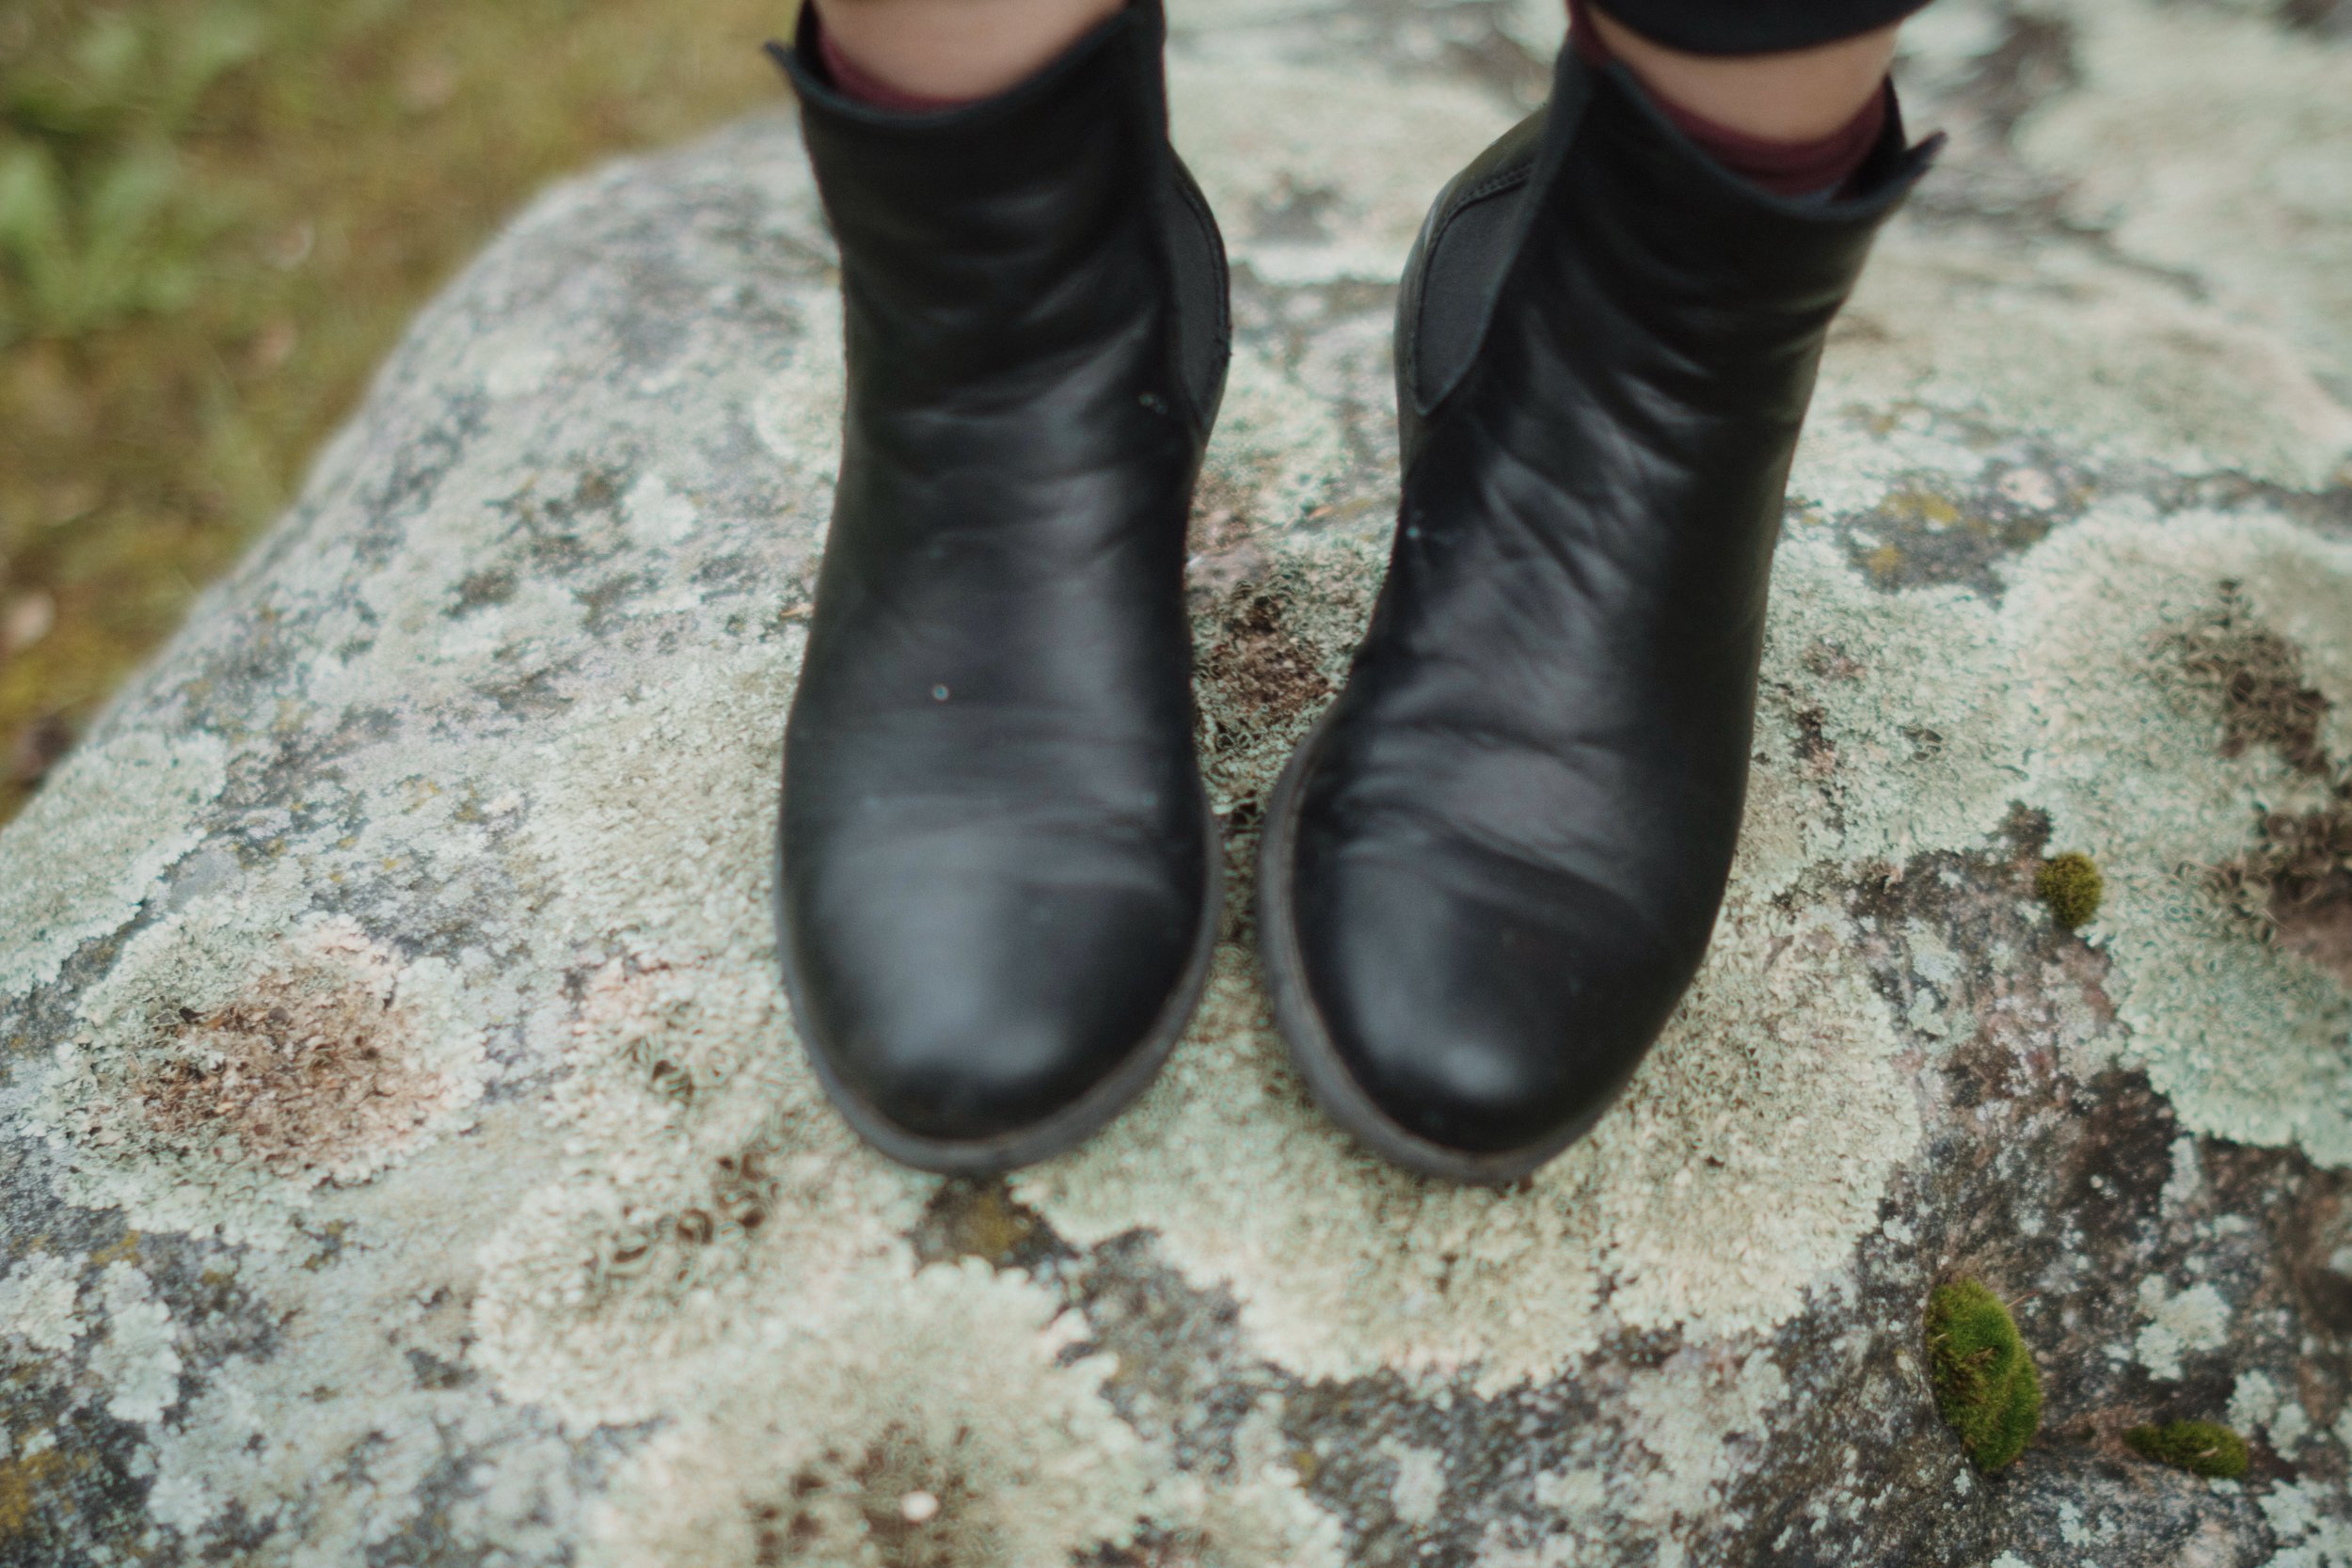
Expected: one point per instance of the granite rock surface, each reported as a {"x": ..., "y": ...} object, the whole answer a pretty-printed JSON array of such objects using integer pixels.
[{"x": 405, "y": 1157}]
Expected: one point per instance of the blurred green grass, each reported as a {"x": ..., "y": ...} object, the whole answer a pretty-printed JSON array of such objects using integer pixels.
[{"x": 216, "y": 217}]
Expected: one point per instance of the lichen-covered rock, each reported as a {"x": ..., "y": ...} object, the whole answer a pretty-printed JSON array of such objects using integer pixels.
[{"x": 404, "y": 1158}]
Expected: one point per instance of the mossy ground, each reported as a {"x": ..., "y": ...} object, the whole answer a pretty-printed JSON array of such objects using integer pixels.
[
  {"x": 1986, "y": 1384},
  {"x": 216, "y": 217},
  {"x": 2200, "y": 1447},
  {"x": 2071, "y": 885}
]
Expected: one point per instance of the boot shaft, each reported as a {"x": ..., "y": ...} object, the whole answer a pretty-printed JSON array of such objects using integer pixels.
[
  {"x": 986, "y": 238},
  {"x": 1610, "y": 229},
  {"x": 1724, "y": 293}
]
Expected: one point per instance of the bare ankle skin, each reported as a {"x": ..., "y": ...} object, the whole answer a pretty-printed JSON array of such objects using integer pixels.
[
  {"x": 957, "y": 49},
  {"x": 1792, "y": 97}
]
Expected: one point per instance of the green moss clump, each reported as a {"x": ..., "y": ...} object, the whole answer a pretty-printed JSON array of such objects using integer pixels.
[
  {"x": 2071, "y": 885},
  {"x": 1986, "y": 1384},
  {"x": 2200, "y": 1447}
]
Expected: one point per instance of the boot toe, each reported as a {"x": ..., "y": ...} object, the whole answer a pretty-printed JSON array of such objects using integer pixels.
[
  {"x": 969, "y": 1016},
  {"x": 980, "y": 1075},
  {"x": 1483, "y": 1020}
]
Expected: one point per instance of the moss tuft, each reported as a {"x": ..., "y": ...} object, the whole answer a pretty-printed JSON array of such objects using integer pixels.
[
  {"x": 2200, "y": 1447},
  {"x": 1986, "y": 1384},
  {"x": 2071, "y": 885}
]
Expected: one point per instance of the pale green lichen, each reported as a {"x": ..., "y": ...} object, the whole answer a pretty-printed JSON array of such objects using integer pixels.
[
  {"x": 2246, "y": 1037},
  {"x": 1297, "y": 204},
  {"x": 2307, "y": 1523},
  {"x": 2258, "y": 1405},
  {"x": 654, "y": 816},
  {"x": 1722, "y": 1185},
  {"x": 957, "y": 1397},
  {"x": 137, "y": 1361},
  {"x": 2184, "y": 1188},
  {"x": 953, "y": 1428},
  {"x": 709, "y": 1196},
  {"x": 2127, "y": 369},
  {"x": 2183, "y": 1323},
  {"x": 90, "y": 849},
  {"x": 1668, "y": 1481},
  {"x": 707, "y": 1201},
  {"x": 2209, "y": 147},
  {"x": 365, "y": 1390},
  {"x": 226, "y": 1068},
  {"x": 792, "y": 413},
  {"x": 37, "y": 1302},
  {"x": 1883, "y": 734}
]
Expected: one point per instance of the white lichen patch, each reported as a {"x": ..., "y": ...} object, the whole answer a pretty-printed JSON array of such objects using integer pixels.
[
  {"x": 37, "y": 1302},
  {"x": 2254, "y": 1401},
  {"x": 944, "y": 1423},
  {"x": 1748, "y": 1155},
  {"x": 952, "y": 1395},
  {"x": 2307, "y": 1519},
  {"x": 707, "y": 1198},
  {"x": 2246, "y": 1037},
  {"x": 1419, "y": 1486},
  {"x": 2213, "y": 148},
  {"x": 233, "y": 1062},
  {"x": 1279, "y": 449},
  {"x": 1882, "y": 732},
  {"x": 2290, "y": 1427},
  {"x": 2179, "y": 1323},
  {"x": 359, "y": 1417},
  {"x": 1686, "y": 1422},
  {"x": 793, "y": 411},
  {"x": 1255, "y": 1513},
  {"x": 1299, "y": 205},
  {"x": 2187, "y": 1184},
  {"x": 1259, "y": 1519},
  {"x": 90, "y": 849},
  {"x": 2126, "y": 367},
  {"x": 685, "y": 1044},
  {"x": 654, "y": 814},
  {"x": 2257, "y": 1405},
  {"x": 708, "y": 1201},
  {"x": 137, "y": 1360}
]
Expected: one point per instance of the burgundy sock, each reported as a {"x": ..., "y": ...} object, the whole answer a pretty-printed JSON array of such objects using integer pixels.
[
  {"x": 1822, "y": 166},
  {"x": 856, "y": 82}
]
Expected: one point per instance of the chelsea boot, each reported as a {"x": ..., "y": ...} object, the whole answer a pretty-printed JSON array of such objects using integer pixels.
[
  {"x": 998, "y": 869},
  {"x": 1493, "y": 866}
]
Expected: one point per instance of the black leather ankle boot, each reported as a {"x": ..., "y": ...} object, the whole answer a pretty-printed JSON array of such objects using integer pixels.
[
  {"x": 1493, "y": 867},
  {"x": 998, "y": 886}
]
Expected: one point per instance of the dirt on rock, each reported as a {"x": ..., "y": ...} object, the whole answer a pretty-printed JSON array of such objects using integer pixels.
[
  {"x": 305, "y": 1070},
  {"x": 1258, "y": 667}
]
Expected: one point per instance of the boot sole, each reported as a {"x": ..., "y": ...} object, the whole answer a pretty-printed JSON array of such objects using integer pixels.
[
  {"x": 1303, "y": 1029},
  {"x": 1073, "y": 1123}
]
